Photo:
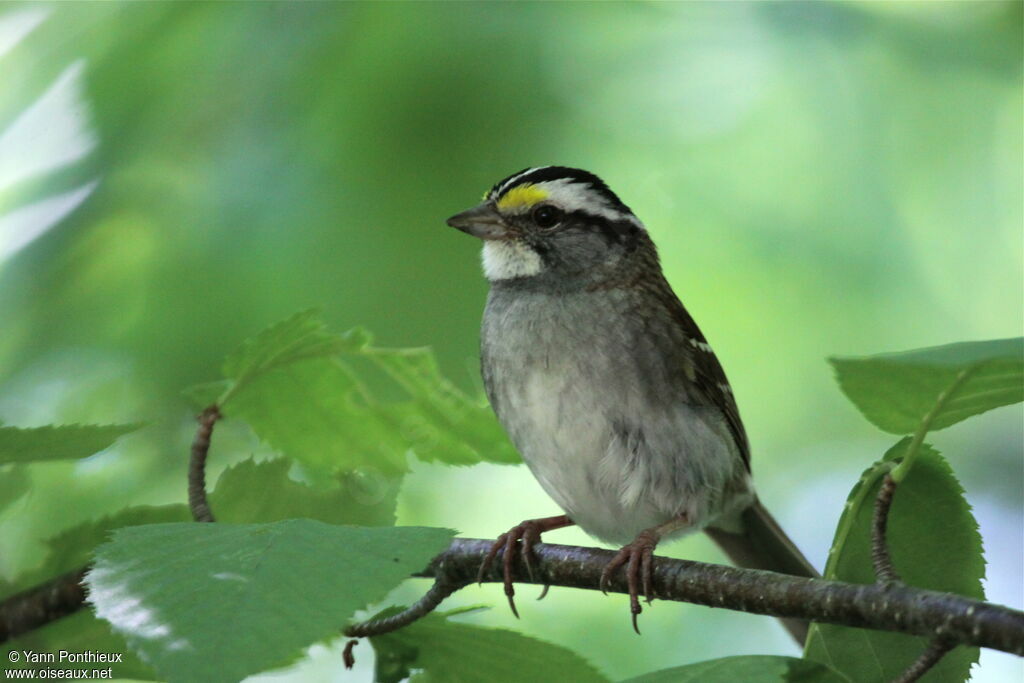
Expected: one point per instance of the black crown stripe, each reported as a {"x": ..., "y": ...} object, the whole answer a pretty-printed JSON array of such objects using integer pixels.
[{"x": 548, "y": 173}]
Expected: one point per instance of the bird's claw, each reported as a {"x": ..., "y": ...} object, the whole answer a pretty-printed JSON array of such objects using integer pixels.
[
  {"x": 638, "y": 557},
  {"x": 529, "y": 533}
]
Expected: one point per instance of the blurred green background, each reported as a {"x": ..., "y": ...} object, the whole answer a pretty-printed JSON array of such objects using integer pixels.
[{"x": 822, "y": 178}]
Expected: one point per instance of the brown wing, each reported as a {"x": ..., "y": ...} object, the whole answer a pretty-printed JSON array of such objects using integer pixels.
[
  {"x": 705, "y": 373},
  {"x": 708, "y": 384}
]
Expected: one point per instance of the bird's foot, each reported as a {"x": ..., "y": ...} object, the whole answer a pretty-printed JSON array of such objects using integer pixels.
[
  {"x": 528, "y": 532},
  {"x": 638, "y": 557}
]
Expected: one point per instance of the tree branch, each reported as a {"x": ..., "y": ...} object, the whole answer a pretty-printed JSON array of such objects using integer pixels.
[
  {"x": 38, "y": 606},
  {"x": 897, "y": 608},
  {"x": 946, "y": 619}
]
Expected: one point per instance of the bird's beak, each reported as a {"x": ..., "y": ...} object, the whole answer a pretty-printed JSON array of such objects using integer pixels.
[{"x": 481, "y": 221}]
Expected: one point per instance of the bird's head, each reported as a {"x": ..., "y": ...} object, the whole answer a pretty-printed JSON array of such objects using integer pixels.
[{"x": 551, "y": 222}]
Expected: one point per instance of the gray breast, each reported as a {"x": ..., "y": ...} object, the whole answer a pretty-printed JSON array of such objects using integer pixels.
[{"x": 593, "y": 393}]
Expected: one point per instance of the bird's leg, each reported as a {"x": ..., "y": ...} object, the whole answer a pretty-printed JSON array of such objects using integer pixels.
[
  {"x": 529, "y": 532},
  {"x": 638, "y": 557}
]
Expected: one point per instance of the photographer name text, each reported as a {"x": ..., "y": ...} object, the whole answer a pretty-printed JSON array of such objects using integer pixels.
[{"x": 65, "y": 657}]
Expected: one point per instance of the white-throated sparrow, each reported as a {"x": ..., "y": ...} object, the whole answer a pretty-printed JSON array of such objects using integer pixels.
[{"x": 606, "y": 385}]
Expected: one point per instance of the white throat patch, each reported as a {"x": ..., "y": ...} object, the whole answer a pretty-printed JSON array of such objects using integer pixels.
[{"x": 505, "y": 260}]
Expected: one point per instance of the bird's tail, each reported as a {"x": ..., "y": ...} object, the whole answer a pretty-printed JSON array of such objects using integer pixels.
[{"x": 758, "y": 542}]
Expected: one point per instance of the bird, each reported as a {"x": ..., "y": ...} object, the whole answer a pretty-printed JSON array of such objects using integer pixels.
[{"x": 607, "y": 387}]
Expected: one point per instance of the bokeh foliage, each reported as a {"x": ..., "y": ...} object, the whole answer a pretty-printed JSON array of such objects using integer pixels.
[{"x": 822, "y": 178}]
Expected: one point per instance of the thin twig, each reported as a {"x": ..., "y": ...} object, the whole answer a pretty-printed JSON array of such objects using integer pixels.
[
  {"x": 440, "y": 590},
  {"x": 935, "y": 651},
  {"x": 885, "y": 572},
  {"x": 903, "y": 468},
  {"x": 425, "y": 605},
  {"x": 347, "y": 657},
  {"x": 197, "y": 502}
]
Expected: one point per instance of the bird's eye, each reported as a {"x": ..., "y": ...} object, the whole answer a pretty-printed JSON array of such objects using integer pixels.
[{"x": 546, "y": 216}]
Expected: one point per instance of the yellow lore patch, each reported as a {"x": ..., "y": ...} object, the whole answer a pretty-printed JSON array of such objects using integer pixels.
[{"x": 522, "y": 196}]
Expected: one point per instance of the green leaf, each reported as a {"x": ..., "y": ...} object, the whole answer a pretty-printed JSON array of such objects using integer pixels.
[
  {"x": 246, "y": 492},
  {"x": 263, "y": 492},
  {"x": 446, "y": 650},
  {"x": 14, "y": 483},
  {"x": 286, "y": 384},
  {"x": 934, "y": 542},
  {"x": 318, "y": 413},
  {"x": 73, "y": 547},
  {"x": 206, "y": 394},
  {"x": 310, "y": 394},
  {"x": 442, "y": 422},
  {"x": 301, "y": 337},
  {"x": 80, "y": 632},
  {"x": 217, "y": 602},
  {"x": 945, "y": 384},
  {"x": 53, "y": 442},
  {"x": 746, "y": 668}
]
